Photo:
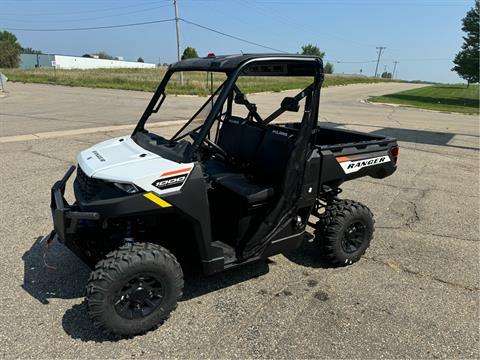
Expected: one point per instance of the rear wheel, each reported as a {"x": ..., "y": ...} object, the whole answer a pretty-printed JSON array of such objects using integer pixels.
[
  {"x": 344, "y": 231},
  {"x": 134, "y": 289}
]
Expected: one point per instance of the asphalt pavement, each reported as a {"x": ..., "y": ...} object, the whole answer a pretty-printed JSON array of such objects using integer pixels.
[{"x": 415, "y": 294}]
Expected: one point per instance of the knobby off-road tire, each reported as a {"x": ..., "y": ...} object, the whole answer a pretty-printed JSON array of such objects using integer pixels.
[
  {"x": 343, "y": 232},
  {"x": 134, "y": 289}
]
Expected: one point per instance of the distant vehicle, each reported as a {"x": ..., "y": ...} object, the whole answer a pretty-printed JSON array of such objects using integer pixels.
[{"x": 222, "y": 192}]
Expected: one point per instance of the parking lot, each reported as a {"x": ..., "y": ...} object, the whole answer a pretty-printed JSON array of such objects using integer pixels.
[{"x": 415, "y": 294}]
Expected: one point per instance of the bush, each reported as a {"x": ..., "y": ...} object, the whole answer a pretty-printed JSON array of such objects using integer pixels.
[
  {"x": 311, "y": 49},
  {"x": 328, "y": 68},
  {"x": 9, "y": 55},
  {"x": 386, "y": 75},
  {"x": 189, "y": 53},
  {"x": 104, "y": 55},
  {"x": 10, "y": 50}
]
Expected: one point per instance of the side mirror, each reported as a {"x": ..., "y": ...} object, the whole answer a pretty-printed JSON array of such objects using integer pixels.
[{"x": 290, "y": 104}]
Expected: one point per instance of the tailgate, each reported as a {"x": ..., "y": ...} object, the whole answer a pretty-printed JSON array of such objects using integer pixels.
[{"x": 378, "y": 160}]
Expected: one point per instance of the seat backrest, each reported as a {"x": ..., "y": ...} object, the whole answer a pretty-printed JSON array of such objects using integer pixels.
[
  {"x": 240, "y": 139},
  {"x": 272, "y": 155},
  {"x": 267, "y": 150}
]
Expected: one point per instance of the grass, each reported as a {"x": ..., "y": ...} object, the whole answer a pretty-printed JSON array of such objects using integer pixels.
[
  {"x": 148, "y": 79},
  {"x": 452, "y": 98}
]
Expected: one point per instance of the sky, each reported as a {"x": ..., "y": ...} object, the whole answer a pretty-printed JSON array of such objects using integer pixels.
[{"x": 422, "y": 35}]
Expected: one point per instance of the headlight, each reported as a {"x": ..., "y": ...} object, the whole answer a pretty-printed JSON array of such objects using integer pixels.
[{"x": 128, "y": 188}]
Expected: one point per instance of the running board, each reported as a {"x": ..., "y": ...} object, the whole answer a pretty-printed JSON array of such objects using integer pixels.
[{"x": 227, "y": 250}]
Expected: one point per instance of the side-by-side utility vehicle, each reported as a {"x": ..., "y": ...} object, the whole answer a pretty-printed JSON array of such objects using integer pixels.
[{"x": 231, "y": 185}]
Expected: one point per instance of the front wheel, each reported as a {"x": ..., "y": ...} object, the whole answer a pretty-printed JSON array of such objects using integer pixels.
[
  {"x": 134, "y": 289},
  {"x": 344, "y": 231}
]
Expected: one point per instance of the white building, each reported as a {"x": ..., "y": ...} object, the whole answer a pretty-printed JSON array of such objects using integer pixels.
[{"x": 29, "y": 61}]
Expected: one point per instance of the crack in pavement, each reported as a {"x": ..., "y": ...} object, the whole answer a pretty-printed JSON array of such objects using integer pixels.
[
  {"x": 400, "y": 268},
  {"x": 415, "y": 218},
  {"x": 48, "y": 156},
  {"x": 390, "y": 116}
]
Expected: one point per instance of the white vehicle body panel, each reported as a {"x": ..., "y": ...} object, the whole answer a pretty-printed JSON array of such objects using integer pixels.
[{"x": 122, "y": 160}]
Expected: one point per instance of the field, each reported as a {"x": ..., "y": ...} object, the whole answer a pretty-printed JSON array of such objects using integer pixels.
[
  {"x": 148, "y": 79},
  {"x": 452, "y": 98}
]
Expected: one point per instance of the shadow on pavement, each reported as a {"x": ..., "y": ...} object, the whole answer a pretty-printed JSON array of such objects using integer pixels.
[
  {"x": 68, "y": 281},
  {"x": 197, "y": 284},
  {"x": 307, "y": 255},
  {"x": 423, "y": 137},
  {"x": 415, "y": 136},
  {"x": 76, "y": 323}
]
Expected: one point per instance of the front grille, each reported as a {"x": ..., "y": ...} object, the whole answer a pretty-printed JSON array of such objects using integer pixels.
[{"x": 88, "y": 186}]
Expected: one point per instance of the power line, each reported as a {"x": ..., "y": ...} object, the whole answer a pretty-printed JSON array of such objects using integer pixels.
[
  {"x": 147, "y": 23},
  {"x": 362, "y": 3},
  {"x": 381, "y": 48},
  {"x": 299, "y": 23},
  {"x": 352, "y": 62},
  {"x": 424, "y": 59},
  {"x": 231, "y": 36},
  {"x": 105, "y": 16},
  {"x": 108, "y": 9},
  {"x": 94, "y": 27}
]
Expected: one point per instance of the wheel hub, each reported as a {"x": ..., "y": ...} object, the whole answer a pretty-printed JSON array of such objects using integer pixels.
[
  {"x": 354, "y": 236},
  {"x": 139, "y": 297}
]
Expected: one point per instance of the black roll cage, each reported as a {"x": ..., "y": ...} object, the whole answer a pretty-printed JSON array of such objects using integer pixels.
[{"x": 228, "y": 88}]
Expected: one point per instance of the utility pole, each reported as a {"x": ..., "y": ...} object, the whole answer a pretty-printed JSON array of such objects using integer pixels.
[
  {"x": 380, "y": 49},
  {"x": 394, "y": 68},
  {"x": 178, "y": 36}
]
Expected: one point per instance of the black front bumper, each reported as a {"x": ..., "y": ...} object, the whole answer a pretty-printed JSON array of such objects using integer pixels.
[{"x": 66, "y": 217}]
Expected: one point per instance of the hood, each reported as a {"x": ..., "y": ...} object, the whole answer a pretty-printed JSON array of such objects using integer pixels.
[{"x": 122, "y": 160}]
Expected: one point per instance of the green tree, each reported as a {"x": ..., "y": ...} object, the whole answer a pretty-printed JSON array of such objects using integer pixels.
[
  {"x": 140, "y": 59},
  {"x": 386, "y": 75},
  {"x": 189, "y": 53},
  {"x": 328, "y": 68},
  {"x": 10, "y": 50},
  {"x": 31, "y": 51},
  {"x": 466, "y": 61},
  {"x": 311, "y": 49},
  {"x": 104, "y": 55},
  {"x": 10, "y": 37}
]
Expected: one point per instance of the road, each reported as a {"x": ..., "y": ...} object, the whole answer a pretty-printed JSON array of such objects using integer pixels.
[{"x": 415, "y": 294}]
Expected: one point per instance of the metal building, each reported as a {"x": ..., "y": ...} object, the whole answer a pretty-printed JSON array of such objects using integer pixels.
[{"x": 30, "y": 61}]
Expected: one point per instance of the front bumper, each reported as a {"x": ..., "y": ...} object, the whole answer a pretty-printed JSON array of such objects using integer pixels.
[{"x": 66, "y": 217}]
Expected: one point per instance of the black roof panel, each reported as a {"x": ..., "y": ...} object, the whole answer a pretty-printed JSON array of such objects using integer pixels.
[{"x": 226, "y": 63}]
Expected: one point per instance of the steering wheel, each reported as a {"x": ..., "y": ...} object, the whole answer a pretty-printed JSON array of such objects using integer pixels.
[{"x": 209, "y": 145}]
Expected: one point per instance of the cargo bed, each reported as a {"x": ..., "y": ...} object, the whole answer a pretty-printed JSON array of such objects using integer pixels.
[{"x": 348, "y": 154}]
